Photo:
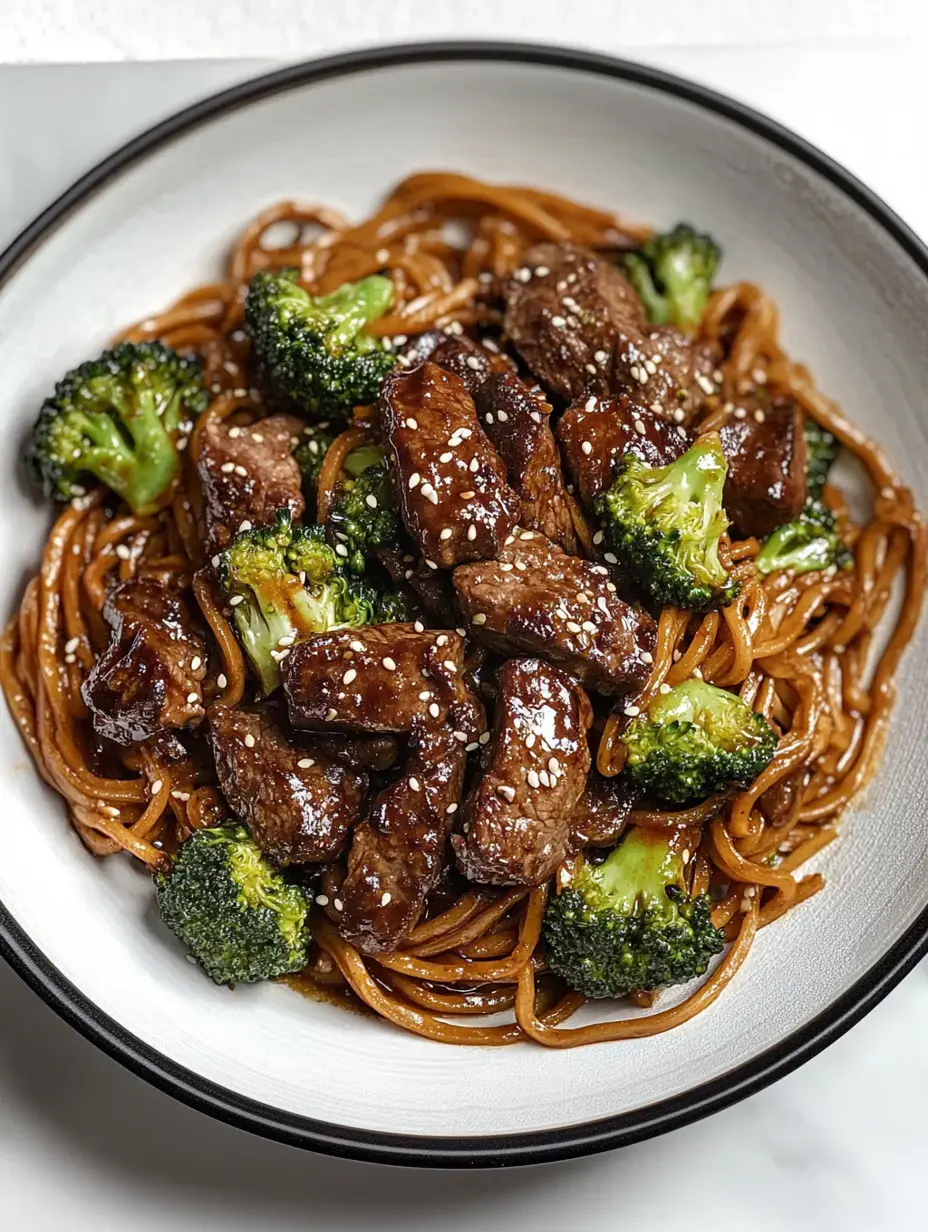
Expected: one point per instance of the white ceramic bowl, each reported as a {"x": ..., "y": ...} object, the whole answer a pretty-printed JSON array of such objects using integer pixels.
[{"x": 156, "y": 217}]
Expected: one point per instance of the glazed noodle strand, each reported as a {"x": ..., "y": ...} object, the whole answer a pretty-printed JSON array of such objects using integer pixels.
[{"x": 797, "y": 649}]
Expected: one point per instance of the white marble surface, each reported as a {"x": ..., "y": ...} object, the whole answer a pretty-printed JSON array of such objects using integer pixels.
[{"x": 837, "y": 1145}]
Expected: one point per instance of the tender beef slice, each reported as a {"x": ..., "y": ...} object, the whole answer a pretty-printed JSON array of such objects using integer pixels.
[
  {"x": 602, "y": 812},
  {"x": 517, "y": 421},
  {"x": 580, "y": 327},
  {"x": 399, "y": 853},
  {"x": 450, "y": 483},
  {"x": 468, "y": 360},
  {"x": 247, "y": 475},
  {"x": 594, "y": 433},
  {"x": 379, "y": 679},
  {"x": 358, "y": 752},
  {"x": 147, "y": 681},
  {"x": 536, "y": 599},
  {"x": 517, "y": 820},
  {"x": 299, "y": 804},
  {"x": 766, "y": 452},
  {"x": 431, "y": 587}
]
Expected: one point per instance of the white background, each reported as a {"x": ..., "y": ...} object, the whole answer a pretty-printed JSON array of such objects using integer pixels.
[{"x": 839, "y": 1145}]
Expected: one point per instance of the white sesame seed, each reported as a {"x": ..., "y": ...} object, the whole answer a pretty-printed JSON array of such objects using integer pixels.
[
  {"x": 587, "y": 448},
  {"x": 598, "y": 538},
  {"x": 452, "y": 808},
  {"x": 461, "y": 736},
  {"x": 388, "y": 663},
  {"x": 356, "y": 646},
  {"x": 424, "y": 695},
  {"x": 600, "y": 356},
  {"x": 222, "y": 680},
  {"x": 441, "y": 640},
  {"x": 227, "y": 468},
  {"x": 488, "y": 418},
  {"x": 541, "y": 271},
  {"x": 341, "y": 550},
  {"x": 685, "y": 855},
  {"x": 434, "y": 710},
  {"x": 506, "y": 791},
  {"x": 72, "y": 644},
  {"x": 610, "y": 586},
  {"x": 505, "y": 567},
  {"x": 240, "y": 471},
  {"x": 414, "y": 783},
  {"x": 371, "y": 500},
  {"x": 573, "y": 627},
  {"x": 157, "y": 786},
  {"x": 123, "y": 552},
  {"x": 678, "y": 414},
  {"x": 610, "y": 558},
  {"x": 349, "y": 676},
  {"x": 192, "y": 698},
  {"x": 472, "y": 532},
  {"x": 306, "y": 763},
  {"x": 337, "y": 904},
  {"x": 446, "y": 533},
  {"x": 473, "y": 362},
  {"x": 591, "y": 404},
  {"x": 640, "y": 428},
  {"x": 249, "y": 740},
  {"x": 414, "y": 479},
  {"x": 665, "y": 688},
  {"x": 759, "y": 416},
  {"x": 522, "y": 275},
  {"x": 591, "y": 368},
  {"x": 631, "y": 711},
  {"x": 446, "y": 456},
  {"x": 322, "y": 900},
  {"x": 704, "y": 384},
  {"x": 479, "y": 618},
  {"x": 533, "y": 779},
  {"x": 385, "y": 900},
  {"x": 330, "y": 714},
  {"x": 545, "y": 778},
  {"x": 647, "y": 657},
  {"x": 70, "y": 658},
  {"x": 429, "y": 493},
  {"x": 558, "y": 322},
  {"x": 484, "y": 739},
  {"x": 589, "y": 626},
  {"x": 244, "y": 525},
  {"x": 412, "y": 424},
  {"x": 431, "y": 564}
]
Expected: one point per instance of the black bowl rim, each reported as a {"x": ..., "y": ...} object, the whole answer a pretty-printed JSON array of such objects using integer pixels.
[{"x": 483, "y": 1150}]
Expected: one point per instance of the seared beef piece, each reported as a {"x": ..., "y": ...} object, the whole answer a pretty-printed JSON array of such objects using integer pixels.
[
  {"x": 602, "y": 812},
  {"x": 357, "y": 752},
  {"x": 516, "y": 419},
  {"x": 468, "y": 360},
  {"x": 431, "y": 587},
  {"x": 398, "y": 854},
  {"x": 450, "y": 483},
  {"x": 298, "y": 803},
  {"x": 517, "y": 820},
  {"x": 594, "y": 433},
  {"x": 537, "y": 599},
  {"x": 766, "y": 452},
  {"x": 148, "y": 679},
  {"x": 580, "y": 327},
  {"x": 380, "y": 678},
  {"x": 247, "y": 475}
]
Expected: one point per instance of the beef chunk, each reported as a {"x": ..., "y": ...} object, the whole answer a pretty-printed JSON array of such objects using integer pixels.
[
  {"x": 602, "y": 812},
  {"x": 247, "y": 475},
  {"x": 517, "y": 820},
  {"x": 450, "y": 483},
  {"x": 766, "y": 452},
  {"x": 431, "y": 587},
  {"x": 516, "y": 419},
  {"x": 398, "y": 855},
  {"x": 147, "y": 681},
  {"x": 358, "y": 752},
  {"x": 537, "y": 599},
  {"x": 471, "y": 362},
  {"x": 580, "y": 327},
  {"x": 379, "y": 679},
  {"x": 594, "y": 433},
  {"x": 298, "y": 803}
]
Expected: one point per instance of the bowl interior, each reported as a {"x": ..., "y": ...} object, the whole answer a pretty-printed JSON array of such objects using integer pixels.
[{"x": 853, "y": 306}]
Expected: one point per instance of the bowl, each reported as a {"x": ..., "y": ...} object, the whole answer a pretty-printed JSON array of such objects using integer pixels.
[{"x": 156, "y": 217}]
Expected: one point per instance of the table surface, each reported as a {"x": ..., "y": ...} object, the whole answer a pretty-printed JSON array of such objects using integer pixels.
[{"x": 838, "y": 1145}]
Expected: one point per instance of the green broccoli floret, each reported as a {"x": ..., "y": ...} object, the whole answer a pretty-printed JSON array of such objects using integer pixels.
[
  {"x": 317, "y": 351},
  {"x": 117, "y": 419},
  {"x": 285, "y": 583},
  {"x": 695, "y": 740},
  {"x": 310, "y": 454},
  {"x": 809, "y": 542},
  {"x": 232, "y": 909},
  {"x": 628, "y": 924},
  {"x": 673, "y": 273},
  {"x": 664, "y": 524},
  {"x": 364, "y": 517},
  {"x": 821, "y": 450},
  {"x": 360, "y": 459}
]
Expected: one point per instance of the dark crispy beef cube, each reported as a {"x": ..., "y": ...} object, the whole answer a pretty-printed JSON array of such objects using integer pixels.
[
  {"x": 536, "y": 599},
  {"x": 516, "y": 419},
  {"x": 378, "y": 679},
  {"x": 431, "y": 587},
  {"x": 594, "y": 433},
  {"x": 766, "y": 452},
  {"x": 517, "y": 820},
  {"x": 147, "y": 681},
  {"x": 602, "y": 812},
  {"x": 580, "y": 327},
  {"x": 247, "y": 475},
  {"x": 399, "y": 853},
  {"x": 450, "y": 483},
  {"x": 298, "y": 803}
]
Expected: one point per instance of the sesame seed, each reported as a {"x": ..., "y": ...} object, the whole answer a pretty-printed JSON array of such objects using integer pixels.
[
  {"x": 434, "y": 710},
  {"x": 610, "y": 558},
  {"x": 356, "y": 646},
  {"x": 385, "y": 900},
  {"x": 554, "y": 765},
  {"x": 414, "y": 479},
  {"x": 446, "y": 456},
  {"x": 522, "y": 275},
  {"x": 573, "y": 627},
  {"x": 249, "y": 740},
  {"x": 759, "y": 376},
  {"x": 70, "y": 658},
  {"x": 590, "y": 404},
  {"x": 244, "y": 525},
  {"x": 527, "y": 534},
  {"x": 685, "y": 855},
  {"x": 610, "y": 586},
  {"x": 349, "y": 676},
  {"x": 587, "y": 448},
  {"x": 388, "y": 663},
  {"x": 123, "y": 552},
  {"x": 450, "y": 666},
  {"x": 461, "y": 736},
  {"x": 472, "y": 747},
  {"x": 215, "y": 562},
  {"x": 601, "y": 570},
  {"x": 156, "y": 786},
  {"x": 474, "y": 466},
  {"x": 411, "y": 423},
  {"x": 441, "y": 640},
  {"x": 651, "y": 366},
  {"x": 488, "y": 418},
  {"x": 371, "y": 500},
  {"x": 479, "y": 618},
  {"x": 631, "y": 711},
  {"x": 591, "y": 368},
  {"x": 506, "y": 567},
  {"x": 419, "y": 626},
  {"x": 558, "y": 322},
  {"x": 533, "y": 779},
  {"x": 640, "y": 428},
  {"x": 72, "y": 644},
  {"x": 429, "y": 493},
  {"x": 545, "y": 778},
  {"x": 739, "y": 412},
  {"x": 424, "y": 695},
  {"x": 341, "y": 550},
  {"x": 337, "y": 904},
  {"x": 446, "y": 533},
  {"x": 588, "y": 626},
  {"x": 306, "y": 763},
  {"x": 452, "y": 808},
  {"x": 647, "y": 657},
  {"x": 508, "y": 792},
  {"x": 541, "y": 271},
  {"x": 665, "y": 688},
  {"x": 222, "y": 680},
  {"x": 536, "y": 416},
  {"x": 234, "y": 432},
  {"x": 759, "y": 416},
  {"x": 240, "y": 471},
  {"x": 704, "y": 384},
  {"x": 192, "y": 699},
  {"x": 468, "y": 495},
  {"x": 227, "y": 468},
  {"x": 473, "y": 362},
  {"x": 322, "y": 900},
  {"x": 678, "y": 414},
  {"x": 598, "y": 538},
  {"x": 414, "y": 783},
  {"x": 330, "y": 714}
]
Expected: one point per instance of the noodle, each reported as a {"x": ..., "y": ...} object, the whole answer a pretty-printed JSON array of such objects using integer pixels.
[{"x": 797, "y": 649}]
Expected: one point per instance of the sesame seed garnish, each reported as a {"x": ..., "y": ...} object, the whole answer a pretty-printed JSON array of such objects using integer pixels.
[
  {"x": 647, "y": 657},
  {"x": 554, "y": 765},
  {"x": 356, "y": 646},
  {"x": 598, "y": 538},
  {"x": 479, "y": 618},
  {"x": 651, "y": 366},
  {"x": 488, "y": 418},
  {"x": 385, "y": 900},
  {"x": 156, "y": 786},
  {"x": 587, "y": 448},
  {"x": 685, "y": 855},
  {"x": 441, "y": 640},
  {"x": 192, "y": 699},
  {"x": 541, "y": 271},
  {"x": 431, "y": 564},
  {"x": 759, "y": 376},
  {"x": 526, "y": 535},
  {"x": 472, "y": 532},
  {"x": 414, "y": 479},
  {"x": 591, "y": 368},
  {"x": 739, "y": 412},
  {"x": 306, "y": 763},
  {"x": 337, "y": 904},
  {"x": 446, "y": 533},
  {"x": 610, "y": 586},
  {"x": 545, "y": 778},
  {"x": 533, "y": 779},
  {"x": 473, "y": 362},
  {"x": 227, "y": 468},
  {"x": 640, "y": 428},
  {"x": 523, "y": 275},
  {"x": 506, "y": 791},
  {"x": 240, "y": 471},
  {"x": 249, "y": 740},
  {"x": 71, "y": 645},
  {"x": 414, "y": 783},
  {"x": 330, "y": 714},
  {"x": 215, "y": 562},
  {"x": 678, "y": 414},
  {"x": 610, "y": 558},
  {"x": 341, "y": 550},
  {"x": 222, "y": 680},
  {"x": 590, "y": 404},
  {"x": 446, "y": 456},
  {"x": 601, "y": 570},
  {"x": 429, "y": 493},
  {"x": 632, "y": 711},
  {"x": 558, "y": 322},
  {"x": 434, "y": 710},
  {"x": 573, "y": 627},
  {"x": 322, "y": 900},
  {"x": 388, "y": 663},
  {"x": 450, "y": 666},
  {"x": 759, "y": 416},
  {"x": 506, "y": 567},
  {"x": 468, "y": 495},
  {"x": 461, "y": 736},
  {"x": 70, "y": 658},
  {"x": 194, "y": 662},
  {"x": 588, "y": 626},
  {"x": 472, "y": 747},
  {"x": 122, "y": 551},
  {"x": 244, "y": 525},
  {"x": 349, "y": 676},
  {"x": 371, "y": 500},
  {"x": 474, "y": 466},
  {"x": 704, "y": 384},
  {"x": 452, "y": 808},
  {"x": 411, "y": 423}
]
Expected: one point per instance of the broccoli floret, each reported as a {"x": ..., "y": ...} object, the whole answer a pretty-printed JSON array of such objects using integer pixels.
[
  {"x": 117, "y": 419},
  {"x": 310, "y": 454},
  {"x": 360, "y": 459},
  {"x": 317, "y": 351},
  {"x": 695, "y": 740},
  {"x": 364, "y": 516},
  {"x": 628, "y": 924},
  {"x": 821, "y": 450},
  {"x": 664, "y": 523},
  {"x": 232, "y": 909},
  {"x": 809, "y": 542},
  {"x": 673, "y": 273}
]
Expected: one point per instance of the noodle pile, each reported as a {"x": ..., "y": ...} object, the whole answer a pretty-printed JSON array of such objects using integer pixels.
[{"x": 797, "y": 649}]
